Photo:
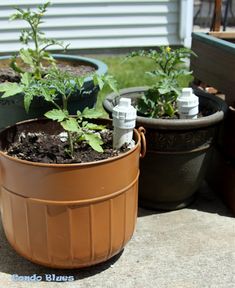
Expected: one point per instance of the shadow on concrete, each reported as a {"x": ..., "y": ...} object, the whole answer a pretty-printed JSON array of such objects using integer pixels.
[
  {"x": 142, "y": 212},
  {"x": 15, "y": 265},
  {"x": 206, "y": 201}
]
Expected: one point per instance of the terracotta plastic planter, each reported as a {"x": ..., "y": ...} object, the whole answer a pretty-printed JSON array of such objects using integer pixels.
[
  {"x": 68, "y": 216},
  {"x": 178, "y": 152},
  {"x": 12, "y": 109}
]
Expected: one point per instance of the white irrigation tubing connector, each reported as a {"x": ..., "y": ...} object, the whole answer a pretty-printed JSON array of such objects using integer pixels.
[
  {"x": 124, "y": 119},
  {"x": 187, "y": 104}
]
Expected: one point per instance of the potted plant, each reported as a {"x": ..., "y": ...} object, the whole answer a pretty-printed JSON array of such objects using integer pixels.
[
  {"x": 178, "y": 150},
  {"x": 216, "y": 51},
  {"x": 68, "y": 200},
  {"x": 35, "y": 59}
]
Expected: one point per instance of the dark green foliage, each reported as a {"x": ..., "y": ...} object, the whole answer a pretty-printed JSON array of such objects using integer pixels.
[
  {"x": 171, "y": 76},
  {"x": 62, "y": 85}
]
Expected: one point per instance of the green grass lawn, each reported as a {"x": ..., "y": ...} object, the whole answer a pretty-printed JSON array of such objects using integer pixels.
[{"x": 130, "y": 73}]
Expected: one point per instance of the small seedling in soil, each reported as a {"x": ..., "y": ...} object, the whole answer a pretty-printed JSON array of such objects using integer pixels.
[
  {"x": 34, "y": 57},
  {"x": 57, "y": 87},
  {"x": 53, "y": 148}
]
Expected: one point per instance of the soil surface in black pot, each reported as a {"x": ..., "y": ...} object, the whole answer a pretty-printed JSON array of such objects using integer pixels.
[
  {"x": 8, "y": 74},
  {"x": 44, "y": 148},
  {"x": 203, "y": 112}
]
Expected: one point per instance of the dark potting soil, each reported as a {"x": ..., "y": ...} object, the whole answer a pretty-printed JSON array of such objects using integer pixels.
[
  {"x": 202, "y": 113},
  {"x": 44, "y": 148},
  {"x": 8, "y": 74},
  {"x": 74, "y": 70}
]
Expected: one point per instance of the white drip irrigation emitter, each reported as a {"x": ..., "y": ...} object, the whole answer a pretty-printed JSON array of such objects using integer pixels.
[
  {"x": 187, "y": 104},
  {"x": 124, "y": 118}
]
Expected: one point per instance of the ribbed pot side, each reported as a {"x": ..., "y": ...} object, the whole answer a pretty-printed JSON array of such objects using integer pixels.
[
  {"x": 178, "y": 152},
  {"x": 72, "y": 215}
]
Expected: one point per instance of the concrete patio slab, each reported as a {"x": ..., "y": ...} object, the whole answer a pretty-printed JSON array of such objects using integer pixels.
[{"x": 188, "y": 248}]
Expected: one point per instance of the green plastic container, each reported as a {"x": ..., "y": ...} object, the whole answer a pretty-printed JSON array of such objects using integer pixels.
[{"x": 12, "y": 108}]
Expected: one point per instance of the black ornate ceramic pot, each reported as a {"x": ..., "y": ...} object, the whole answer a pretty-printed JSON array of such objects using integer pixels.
[{"x": 178, "y": 151}]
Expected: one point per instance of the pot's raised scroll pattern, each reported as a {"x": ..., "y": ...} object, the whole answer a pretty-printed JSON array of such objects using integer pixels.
[{"x": 173, "y": 141}]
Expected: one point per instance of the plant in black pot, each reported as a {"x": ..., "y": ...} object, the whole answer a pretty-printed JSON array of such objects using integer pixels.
[
  {"x": 68, "y": 194},
  {"x": 178, "y": 150},
  {"x": 35, "y": 59}
]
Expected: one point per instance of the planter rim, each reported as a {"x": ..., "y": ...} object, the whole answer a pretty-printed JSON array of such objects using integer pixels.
[
  {"x": 72, "y": 165},
  {"x": 174, "y": 124},
  {"x": 101, "y": 67},
  {"x": 217, "y": 42}
]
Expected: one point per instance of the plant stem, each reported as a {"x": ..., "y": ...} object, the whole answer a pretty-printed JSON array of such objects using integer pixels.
[
  {"x": 65, "y": 104},
  {"x": 45, "y": 47},
  {"x": 165, "y": 67},
  {"x": 56, "y": 105},
  {"x": 70, "y": 136},
  {"x": 161, "y": 66},
  {"x": 37, "y": 71},
  {"x": 70, "y": 139}
]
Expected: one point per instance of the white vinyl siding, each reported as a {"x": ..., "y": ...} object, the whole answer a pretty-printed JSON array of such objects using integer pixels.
[{"x": 100, "y": 24}]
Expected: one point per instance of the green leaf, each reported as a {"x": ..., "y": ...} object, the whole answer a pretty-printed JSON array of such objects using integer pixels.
[
  {"x": 103, "y": 80},
  {"x": 47, "y": 93},
  {"x": 48, "y": 57},
  {"x": 80, "y": 82},
  {"x": 26, "y": 79},
  {"x": 92, "y": 126},
  {"x": 169, "y": 109},
  {"x": 79, "y": 113},
  {"x": 16, "y": 16},
  {"x": 84, "y": 123},
  {"x": 91, "y": 113},
  {"x": 10, "y": 89},
  {"x": 94, "y": 141},
  {"x": 56, "y": 115},
  {"x": 26, "y": 57},
  {"x": 164, "y": 90},
  {"x": 112, "y": 83},
  {"x": 15, "y": 66},
  {"x": 98, "y": 80},
  {"x": 28, "y": 97},
  {"x": 70, "y": 125}
]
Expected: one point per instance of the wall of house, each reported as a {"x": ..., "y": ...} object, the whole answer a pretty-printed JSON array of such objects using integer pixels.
[{"x": 87, "y": 24}]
